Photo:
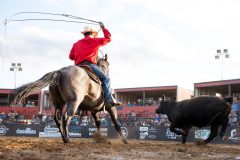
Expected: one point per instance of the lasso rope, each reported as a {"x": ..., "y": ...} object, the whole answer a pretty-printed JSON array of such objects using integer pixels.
[{"x": 7, "y": 20}]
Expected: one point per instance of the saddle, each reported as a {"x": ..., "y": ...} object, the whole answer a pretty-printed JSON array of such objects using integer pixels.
[
  {"x": 90, "y": 73},
  {"x": 95, "y": 78}
]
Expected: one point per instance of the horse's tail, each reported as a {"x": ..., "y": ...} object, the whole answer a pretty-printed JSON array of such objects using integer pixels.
[{"x": 22, "y": 92}]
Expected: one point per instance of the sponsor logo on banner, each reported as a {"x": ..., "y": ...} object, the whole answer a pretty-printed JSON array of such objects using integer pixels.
[
  {"x": 171, "y": 135},
  {"x": 143, "y": 135},
  {"x": 75, "y": 135},
  {"x": 152, "y": 129},
  {"x": 152, "y": 136},
  {"x": 51, "y": 129},
  {"x": 148, "y": 133},
  {"x": 152, "y": 133},
  {"x": 3, "y": 130},
  {"x": 202, "y": 134},
  {"x": 50, "y": 132},
  {"x": 234, "y": 136},
  {"x": 26, "y": 131},
  {"x": 102, "y": 130},
  {"x": 143, "y": 129},
  {"x": 124, "y": 132},
  {"x": 92, "y": 129}
]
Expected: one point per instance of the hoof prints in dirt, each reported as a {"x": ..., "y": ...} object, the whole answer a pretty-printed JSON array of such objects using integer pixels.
[
  {"x": 99, "y": 148},
  {"x": 98, "y": 138}
]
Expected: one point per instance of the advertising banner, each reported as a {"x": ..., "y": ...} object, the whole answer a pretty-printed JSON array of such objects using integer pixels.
[
  {"x": 4, "y": 130},
  {"x": 129, "y": 132},
  {"x": 49, "y": 131},
  {"x": 159, "y": 133},
  {"x": 149, "y": 133},
  {"x": 19, "y": 130},
  {"x": 233, "y": 135}
]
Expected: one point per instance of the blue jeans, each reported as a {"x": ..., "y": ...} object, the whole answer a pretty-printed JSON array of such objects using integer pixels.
[{"x": 104, "y": 79}]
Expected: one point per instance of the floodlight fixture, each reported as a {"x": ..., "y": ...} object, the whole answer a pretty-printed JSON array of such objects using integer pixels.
[
  {"x": 16, "y": 67},
  {"x": 223, "y": 55},
  {"x": 219, "y": 51},
  {"x": 225, "y": 51},
  {"x": 216, "y": 56},
  {"x": 227, "y": 55}
]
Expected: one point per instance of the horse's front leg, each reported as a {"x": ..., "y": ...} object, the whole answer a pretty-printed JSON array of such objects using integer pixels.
[{"x": 113, "y": 114}]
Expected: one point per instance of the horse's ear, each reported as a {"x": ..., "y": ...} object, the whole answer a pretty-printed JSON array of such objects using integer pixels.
[{"x": 106, "y": 57}]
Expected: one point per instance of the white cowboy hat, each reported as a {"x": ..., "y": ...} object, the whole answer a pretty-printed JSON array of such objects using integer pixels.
[{"x": 88, "y": 29}]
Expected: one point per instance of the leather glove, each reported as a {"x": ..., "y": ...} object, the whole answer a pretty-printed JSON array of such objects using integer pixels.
[{"x": 101, "y": 24}]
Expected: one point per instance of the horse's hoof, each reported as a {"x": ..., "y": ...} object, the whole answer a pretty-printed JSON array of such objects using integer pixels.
[
  {"x": 66, "y": 141},
  {"x": 125, "y": 141},
  {"x": 200, "y": 142}
]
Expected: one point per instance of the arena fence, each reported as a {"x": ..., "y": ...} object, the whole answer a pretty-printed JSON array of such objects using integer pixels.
[{"x": 158, "y": 133}]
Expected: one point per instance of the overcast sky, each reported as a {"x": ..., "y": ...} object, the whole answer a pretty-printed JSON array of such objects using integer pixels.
[{"x": 154, "y": 42}]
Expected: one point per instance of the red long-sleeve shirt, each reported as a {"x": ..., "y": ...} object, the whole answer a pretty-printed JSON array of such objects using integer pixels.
[{"x": 86, "y": 49}]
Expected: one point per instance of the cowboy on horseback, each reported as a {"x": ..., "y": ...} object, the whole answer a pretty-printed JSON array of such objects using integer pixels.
[{"x": 85, "y": 51}]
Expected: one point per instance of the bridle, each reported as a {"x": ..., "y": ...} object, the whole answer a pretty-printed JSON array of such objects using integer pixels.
[{"x": 103, "y": 64}]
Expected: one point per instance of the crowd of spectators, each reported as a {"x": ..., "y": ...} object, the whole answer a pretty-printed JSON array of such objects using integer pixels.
[
  {"x": 15, "y": 118},
  {"x": 128, "y": 119},
  {"x": 150, "y": 101},
  {"x": 234, "y": 117},
  {"x": 11, "y": 118}
]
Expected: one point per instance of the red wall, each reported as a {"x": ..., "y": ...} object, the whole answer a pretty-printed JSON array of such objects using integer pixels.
[{"x": 27, "y": 111}]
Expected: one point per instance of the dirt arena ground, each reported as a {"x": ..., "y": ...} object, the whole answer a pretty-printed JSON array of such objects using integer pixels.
[{"x": 23, "y": 148}]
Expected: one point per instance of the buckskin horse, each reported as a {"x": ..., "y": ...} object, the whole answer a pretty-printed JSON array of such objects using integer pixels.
[{"x": 74, "y": 86}]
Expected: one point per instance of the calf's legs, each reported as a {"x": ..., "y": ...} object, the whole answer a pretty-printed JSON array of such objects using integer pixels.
[{"x": 213, "y": 134}]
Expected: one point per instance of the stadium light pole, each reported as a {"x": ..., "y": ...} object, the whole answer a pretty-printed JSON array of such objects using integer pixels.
[
  {"x": 222, "y": 55},
  {"x": 16, "y": 67}
]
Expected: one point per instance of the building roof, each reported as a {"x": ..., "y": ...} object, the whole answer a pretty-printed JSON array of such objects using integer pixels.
[
  {"x": 157, "y": 88},
  {"x": 217, "y": 83},
  {"x": 7, "y": 91}
]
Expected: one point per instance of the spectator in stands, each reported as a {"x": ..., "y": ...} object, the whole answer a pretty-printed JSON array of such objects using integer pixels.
[
  {"x": 139, "y": 102},
  {"x": 35, "y": 120},
  {"x": 33, "y": 104},
  {"x": 132, "y": 116},
  {"x": 238, "y": 106},
  {"x": 233, "y": 119},
  {"x": 84, "y": 121},
  {"x": 235, "y": 105},
  {"x": 43, "y": 119},
  {"x": 3, "y": 117},
  {"x": 28, "y": 104},
  {"x": 164, "y": 120},
  {"x": 235, "y": 112},
  {"x": 12, "y": 116},
  {"x": 75, "y": 120},
  {"x": 49, "y": 119},
  {"x": 40, "y": 115},
  {"x": 157, "y": 119}
]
